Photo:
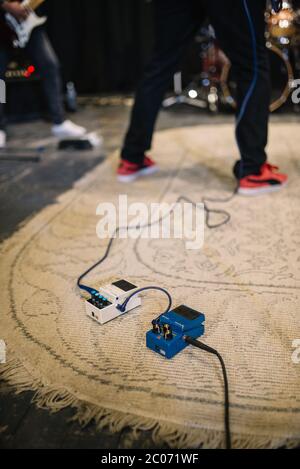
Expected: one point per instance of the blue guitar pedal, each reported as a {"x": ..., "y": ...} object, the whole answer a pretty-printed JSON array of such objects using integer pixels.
[{"x": 168, "y": 332}]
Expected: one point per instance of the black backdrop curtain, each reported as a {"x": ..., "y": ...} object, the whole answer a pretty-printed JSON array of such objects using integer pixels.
[{"x": 102, "y": 44}]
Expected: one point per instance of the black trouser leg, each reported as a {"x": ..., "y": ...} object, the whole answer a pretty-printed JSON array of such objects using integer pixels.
[
  {"x": 3, "y": 67},
  {"x": 233, "y": 32},
  {"x": 44, "y": 57},
  {"x": 175, "y": 21}
]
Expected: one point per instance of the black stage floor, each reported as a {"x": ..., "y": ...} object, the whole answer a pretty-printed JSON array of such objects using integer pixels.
[{"x": 25, "y": 189}]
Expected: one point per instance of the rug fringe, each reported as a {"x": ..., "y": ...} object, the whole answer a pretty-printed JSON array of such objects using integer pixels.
[{"x": 15, "y": 376}]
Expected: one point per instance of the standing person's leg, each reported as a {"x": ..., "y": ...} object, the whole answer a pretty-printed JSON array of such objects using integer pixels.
[
  {"x": 175, "y": 22},
  {"x": 240, "y": 29},
  {"x": 235, "y": 37},
  {"x": 46, "y": 61}
]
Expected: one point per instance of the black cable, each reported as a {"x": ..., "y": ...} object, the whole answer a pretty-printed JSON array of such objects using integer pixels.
[
  {"x": 209, "y": 211},
  {"x": 90, "y": 269},
  {"x": 206, "y": 348},
  {"x": 123, "y": 306},
  {"x": 210, "y": 226}
]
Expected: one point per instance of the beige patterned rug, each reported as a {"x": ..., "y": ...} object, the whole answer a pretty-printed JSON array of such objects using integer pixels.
[{"x": 246, "y": 279}]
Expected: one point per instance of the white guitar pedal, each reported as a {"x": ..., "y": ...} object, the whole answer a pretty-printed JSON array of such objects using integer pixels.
[{"x": 103, "y": 304}]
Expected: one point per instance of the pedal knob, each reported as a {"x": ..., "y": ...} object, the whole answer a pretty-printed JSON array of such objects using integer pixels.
[
  {"x": 167, "y": 332},
  {"x": 156, "y": 327}
]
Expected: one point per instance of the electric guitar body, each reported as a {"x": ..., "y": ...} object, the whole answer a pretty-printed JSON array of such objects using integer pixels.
[{"x": 14, "y": 33}]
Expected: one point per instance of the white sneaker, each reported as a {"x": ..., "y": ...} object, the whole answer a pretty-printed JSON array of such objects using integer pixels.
[
  {"x": 95, "y": 139},
  {"x": 2, "y": 139},
  {"x": 68, "y": 130}
]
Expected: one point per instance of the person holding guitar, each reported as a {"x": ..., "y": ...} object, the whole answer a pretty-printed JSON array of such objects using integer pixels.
[{"x": 40, "y": 51}]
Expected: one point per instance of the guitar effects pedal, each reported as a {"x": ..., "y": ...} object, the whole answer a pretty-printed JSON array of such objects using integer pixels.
[
  {"x": 103, "y": 304},
  {"x": 168, "y": 332}
]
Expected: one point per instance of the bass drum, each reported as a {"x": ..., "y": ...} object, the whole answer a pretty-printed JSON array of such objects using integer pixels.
[
  {"x": 281, "y": 26},
  {"x": 282, "y": 78}
]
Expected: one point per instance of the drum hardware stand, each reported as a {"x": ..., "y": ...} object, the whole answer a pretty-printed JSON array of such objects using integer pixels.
[
  {"x": 180, "y": 97},
  {"x": 277, "y": 103}
]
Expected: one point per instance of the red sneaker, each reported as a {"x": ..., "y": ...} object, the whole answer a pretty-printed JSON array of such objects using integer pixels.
[
  {"x": 129, "y": 172},
  {"x": 269, "y": 180}
]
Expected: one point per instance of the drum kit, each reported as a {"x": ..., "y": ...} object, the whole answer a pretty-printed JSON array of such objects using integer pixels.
[{"x": 214, "y": 87}]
